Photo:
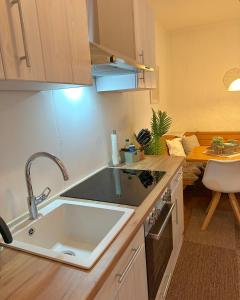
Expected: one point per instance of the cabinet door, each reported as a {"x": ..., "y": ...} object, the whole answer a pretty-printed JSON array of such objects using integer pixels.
[
  {"x": 149, "y": 46},
  {"x": 134, "y": 286},
  {"x": 113, "y": 32},
  {"x": 144, "y": 40},
  {"x": 2, "y": 76},
  {"x": 63, "y": 31},
  {"x": 180, "y": 207},
  {"x": 20, "y": 40},
  {"x": 79, "y": 42},
  {"x": 139, "y": 29},
  {"x": 127, "y": 289},
  {"x": 140, "y": 276},
  {"x": 131, "y": 271},
  {"x": 178, "y": 216}
]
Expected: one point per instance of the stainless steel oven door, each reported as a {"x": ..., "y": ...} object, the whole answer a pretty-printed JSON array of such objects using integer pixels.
[{"x": 159, "y": 246}]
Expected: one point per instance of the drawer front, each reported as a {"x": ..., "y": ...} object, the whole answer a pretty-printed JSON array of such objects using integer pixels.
[
  {"x": 176, "y": 180},
  {"x": 110, "y": 287}
]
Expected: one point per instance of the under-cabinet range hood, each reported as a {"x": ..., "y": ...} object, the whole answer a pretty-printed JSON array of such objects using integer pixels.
[{"x": 107, "y": 62}]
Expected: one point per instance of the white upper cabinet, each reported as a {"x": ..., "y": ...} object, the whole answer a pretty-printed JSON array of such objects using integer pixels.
[
  {"x": 116, "y": 29},
  {"x": 2, "y": 76},
  {"x": 20, "y": 40},
  {"x": 64, "y": 36},
  {"x": 45, "y": 41},
  {"x": 128, "y": 27},
  {"x": 145, "y": 40}
]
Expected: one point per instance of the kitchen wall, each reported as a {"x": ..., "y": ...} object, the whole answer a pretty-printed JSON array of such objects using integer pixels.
[
  {"x": 74, "y": 125},
  {"x": 199, "y": 57},
  {"x": 76, "y": 130}
]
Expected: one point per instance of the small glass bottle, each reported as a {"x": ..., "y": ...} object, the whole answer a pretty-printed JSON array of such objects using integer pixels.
[{"x": 127, "y": 144}]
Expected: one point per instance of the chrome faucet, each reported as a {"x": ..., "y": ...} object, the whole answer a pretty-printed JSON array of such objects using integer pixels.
[{"x": 33, "y": 201}]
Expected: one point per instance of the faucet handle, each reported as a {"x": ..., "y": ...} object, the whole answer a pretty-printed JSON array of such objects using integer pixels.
[
  {"x": 43, "y": 195},
  {"x": 46, "y": 192}
]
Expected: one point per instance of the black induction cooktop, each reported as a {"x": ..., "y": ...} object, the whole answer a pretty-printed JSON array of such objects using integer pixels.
[{"x": 121, "y": 186}]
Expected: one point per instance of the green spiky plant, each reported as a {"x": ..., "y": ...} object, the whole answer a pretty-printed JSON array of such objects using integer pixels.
[{"x": 160, "y": 125}]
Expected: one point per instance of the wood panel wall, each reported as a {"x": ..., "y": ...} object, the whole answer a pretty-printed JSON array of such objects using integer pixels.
[{"x": 205, "y": 137}]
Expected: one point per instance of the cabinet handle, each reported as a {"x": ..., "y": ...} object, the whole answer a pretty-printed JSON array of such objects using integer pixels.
[
  {"x": 26, "y": 56},
  {"x": 142, "y": 56},
  {"x": 176, "y": 209},
  {"x": 143, "y": 75},
  {"x": 121, "y": 276},
  {"x": 143, "y": 71},
  {"x": 179, "y": 177},
  {"x": 175, "y": 183},
  {"x": 167, "y": 286}
]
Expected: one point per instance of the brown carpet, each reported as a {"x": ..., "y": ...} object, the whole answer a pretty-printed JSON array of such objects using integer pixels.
[
  {"x": 237, "y": 236},
  {"x": 205, "y": 273},
  {"x": 220, "y": 232},
  {"x": 208, "y": 266}
]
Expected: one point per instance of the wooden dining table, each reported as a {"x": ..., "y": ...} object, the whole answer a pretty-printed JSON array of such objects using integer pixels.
[{"x": 198, "y": 154}]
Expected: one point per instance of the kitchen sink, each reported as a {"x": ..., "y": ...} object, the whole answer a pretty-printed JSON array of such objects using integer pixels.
[{"x": 73, "y": 232}]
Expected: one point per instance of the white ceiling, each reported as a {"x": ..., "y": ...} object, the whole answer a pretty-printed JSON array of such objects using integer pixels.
[{"x": 175, "y": 14}]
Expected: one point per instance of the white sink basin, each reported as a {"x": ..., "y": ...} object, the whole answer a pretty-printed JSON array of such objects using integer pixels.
[{"x": 74, "y": 232}]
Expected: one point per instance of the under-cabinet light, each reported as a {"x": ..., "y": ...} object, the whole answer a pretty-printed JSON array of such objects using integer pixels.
[{"x": 74, "y": 94}]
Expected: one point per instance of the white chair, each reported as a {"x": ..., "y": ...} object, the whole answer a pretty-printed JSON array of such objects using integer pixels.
[{"x": 222, "y": 177}]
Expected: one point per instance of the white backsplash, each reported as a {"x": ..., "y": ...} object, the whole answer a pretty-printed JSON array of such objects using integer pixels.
[{"x": 77, "y": 131}]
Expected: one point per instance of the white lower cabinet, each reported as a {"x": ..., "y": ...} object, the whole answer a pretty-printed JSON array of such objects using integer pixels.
[
  {"x": 135, "y": 284},
  {"x": 178, "y": 215},
  {"x": 2, "y": 76},
  {"x": 176, "y": 187},
  {"x": 128, "y": 280}
]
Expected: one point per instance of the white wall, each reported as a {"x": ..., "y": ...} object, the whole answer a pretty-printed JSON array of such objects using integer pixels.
[{"x": 199, "y": 57}]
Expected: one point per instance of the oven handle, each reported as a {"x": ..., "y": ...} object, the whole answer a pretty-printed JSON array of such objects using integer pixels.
[{"x": 158, "y": 235}]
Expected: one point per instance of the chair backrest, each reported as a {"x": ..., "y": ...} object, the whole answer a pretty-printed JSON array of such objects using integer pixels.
[{"x": 222, "y": 176}]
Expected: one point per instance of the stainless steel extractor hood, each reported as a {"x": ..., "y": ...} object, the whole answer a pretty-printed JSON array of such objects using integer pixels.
[{"x": 106, "y": 62}]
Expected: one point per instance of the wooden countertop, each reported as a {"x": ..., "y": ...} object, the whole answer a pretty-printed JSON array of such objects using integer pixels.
[{"x": 27, "y": 277}]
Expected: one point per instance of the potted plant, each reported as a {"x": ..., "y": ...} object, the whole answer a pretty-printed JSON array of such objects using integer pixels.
[
  {"x": 217, "y": 144},
  {"x": 160, "y": 124}
]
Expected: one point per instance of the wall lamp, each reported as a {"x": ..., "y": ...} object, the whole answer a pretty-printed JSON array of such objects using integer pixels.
[{"x": 231, "y": 80}]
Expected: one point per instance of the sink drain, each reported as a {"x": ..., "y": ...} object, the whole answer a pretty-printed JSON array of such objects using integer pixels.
[
  {"x": 69, "y": 252},
  {"x": 31, "y": 231}
]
